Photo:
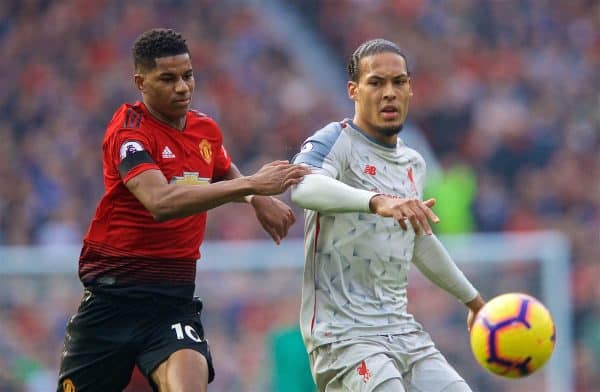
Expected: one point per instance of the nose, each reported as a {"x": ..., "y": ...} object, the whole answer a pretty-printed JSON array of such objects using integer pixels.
[
  {"x": 388, "y": 91},
  {"x": 181, "y": 86}
]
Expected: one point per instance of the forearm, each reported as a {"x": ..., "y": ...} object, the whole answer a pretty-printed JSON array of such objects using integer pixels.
[
  {"x": 180, "y": 201},
  {"x": 433, "y": 260},
  {"x": 168, "y": 201},
  {"x": 325, "y": 194},
  {"x": 234, "y": 173}
]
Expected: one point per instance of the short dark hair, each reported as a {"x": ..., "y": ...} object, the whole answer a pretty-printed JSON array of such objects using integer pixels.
[
  {"x": 157, "y": 43},
  {"x": 370, "y": 48}
]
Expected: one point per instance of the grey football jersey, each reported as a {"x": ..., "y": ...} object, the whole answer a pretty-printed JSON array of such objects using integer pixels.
[{"x": 356, "y": 264}]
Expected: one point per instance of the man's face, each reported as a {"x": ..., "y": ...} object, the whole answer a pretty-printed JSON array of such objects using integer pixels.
[
  {"x": 167, "y": 88},
  {"x": 381, "y": 94}
]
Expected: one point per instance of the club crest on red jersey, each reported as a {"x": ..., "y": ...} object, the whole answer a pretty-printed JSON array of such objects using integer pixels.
[{"x": 206, "y": 151}]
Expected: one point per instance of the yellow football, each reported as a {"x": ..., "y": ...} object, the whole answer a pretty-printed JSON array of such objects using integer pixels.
[{"x": 513, "y": 335}]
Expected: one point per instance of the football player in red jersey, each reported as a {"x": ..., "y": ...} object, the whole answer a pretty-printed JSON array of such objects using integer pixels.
[{"x": 164, "y": 167}]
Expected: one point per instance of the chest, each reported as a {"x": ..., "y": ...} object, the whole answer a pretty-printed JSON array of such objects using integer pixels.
[
  {"x": 182, "y": 156},
  {"x": 393, "y": 173}
]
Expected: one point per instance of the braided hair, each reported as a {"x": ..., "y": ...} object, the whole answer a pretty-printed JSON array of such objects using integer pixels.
[{"x": 370, "y": 48}]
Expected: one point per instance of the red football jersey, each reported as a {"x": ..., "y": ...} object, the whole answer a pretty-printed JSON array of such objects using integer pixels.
[{"x": 124, "y": 244}]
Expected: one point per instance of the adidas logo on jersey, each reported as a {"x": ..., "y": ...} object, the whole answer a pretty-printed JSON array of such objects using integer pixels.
[{"x": 167, "y": 153}]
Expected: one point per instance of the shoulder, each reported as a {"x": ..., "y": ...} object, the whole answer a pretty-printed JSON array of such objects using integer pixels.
[
  {"x": 127, "y": 116},
  {"x": 326, "y": 138},
  {"x": 199, "y": 121},
  {"x": 413, "y": 156},
  {"x": 329, "y": 134},
  {"x": 325, "y": 144},
  {"x": 128, "y": 124}
]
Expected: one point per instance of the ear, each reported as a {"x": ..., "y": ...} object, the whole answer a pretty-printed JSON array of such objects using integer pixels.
[
  {"x": 352, "y": 90},
  {"x": 410, "y": 91},
  {"x": 138, "y": 79}
]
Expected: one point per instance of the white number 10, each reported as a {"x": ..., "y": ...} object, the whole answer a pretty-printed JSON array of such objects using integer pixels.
[{"x": 189, "y": 331}]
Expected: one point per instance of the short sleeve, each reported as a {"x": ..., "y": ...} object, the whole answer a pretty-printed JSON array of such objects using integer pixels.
[
  {"x": 222, "y": 162},
  {"x": 324, "y": 151},
  {"x": 129, "y": 153}
]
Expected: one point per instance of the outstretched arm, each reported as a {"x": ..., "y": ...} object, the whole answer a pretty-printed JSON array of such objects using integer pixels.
[
  {"x": 325, "y": 194},
  {"x": 434, "y": 261},
  {"x": 168, "y": 201}
]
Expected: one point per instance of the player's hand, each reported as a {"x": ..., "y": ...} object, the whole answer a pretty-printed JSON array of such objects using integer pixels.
[
  {"x": 276, "y": 177},
  {"x": 474, "y": 306},
  {"x": 275, "y": 216},
  {"x": 417, "y": 212}
]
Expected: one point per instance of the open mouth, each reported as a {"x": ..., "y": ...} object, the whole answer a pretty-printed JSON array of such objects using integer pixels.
[{"x": 389, "y": 112}]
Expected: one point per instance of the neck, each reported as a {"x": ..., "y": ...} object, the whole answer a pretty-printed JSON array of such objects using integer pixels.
[
  {"x": 378, "y": 134},
  {"x": 178, "y": 123}
]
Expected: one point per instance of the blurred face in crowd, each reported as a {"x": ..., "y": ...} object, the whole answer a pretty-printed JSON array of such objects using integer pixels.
[
  {"x": 381, "y": 96},
  {"x": 167, "y": 88}
]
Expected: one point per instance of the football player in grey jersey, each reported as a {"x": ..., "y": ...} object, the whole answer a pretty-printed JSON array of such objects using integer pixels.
[{"x": 365, "y": 224}]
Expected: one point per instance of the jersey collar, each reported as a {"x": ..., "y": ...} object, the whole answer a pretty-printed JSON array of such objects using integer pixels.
[
  {"x": 160, "y": 123},
  {"x": 370, "y": 138}
]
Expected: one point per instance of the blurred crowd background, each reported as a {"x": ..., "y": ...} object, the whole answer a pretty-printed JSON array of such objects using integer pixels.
[{"x": 506, "y": 95}]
